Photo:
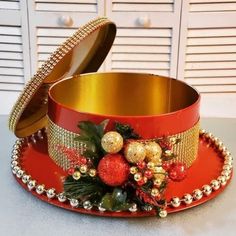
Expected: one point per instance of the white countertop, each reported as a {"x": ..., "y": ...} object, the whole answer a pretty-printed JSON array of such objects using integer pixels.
[{"x": 23, "y": 214}]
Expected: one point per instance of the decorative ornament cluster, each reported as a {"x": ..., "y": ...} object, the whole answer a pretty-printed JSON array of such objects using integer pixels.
[
  {"x": 118, "y": 170},
  {"x": 118, "y": 195}
]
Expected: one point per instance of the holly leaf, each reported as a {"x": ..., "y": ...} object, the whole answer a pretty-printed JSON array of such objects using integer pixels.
[
  {"x": 126, "y": 131},
  {"x": 91, "y": 135}
]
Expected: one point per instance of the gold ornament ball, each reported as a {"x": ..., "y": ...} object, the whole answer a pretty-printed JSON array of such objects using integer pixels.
[
  {"x": 133, "y": 170},
  {"x": 153, "y": 151},
  {"x": 83, "y": 169},
  {"x": 76, "y": 175},
  {"x": 135, "y": 152},
  {"x": 92, "y": 172},
  {"x": 112, "y": 142}
]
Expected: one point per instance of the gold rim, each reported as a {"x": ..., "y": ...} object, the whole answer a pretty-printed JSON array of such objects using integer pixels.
[{"x": 37, "y": 80}]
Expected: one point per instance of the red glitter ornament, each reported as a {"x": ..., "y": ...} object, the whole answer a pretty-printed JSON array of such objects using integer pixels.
[
  {"x": 113, "y": 169},
  {"x": 177, "y": 171}
]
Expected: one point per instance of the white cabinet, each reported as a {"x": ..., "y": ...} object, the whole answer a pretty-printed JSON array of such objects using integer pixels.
[
  {"x": 207, "y": 53},
  {"x": 147, "y": 36},
  {"x": 52, "y": 21},
  {"x": 191, "y": 40},
  {"x": 14, "y": 53}
]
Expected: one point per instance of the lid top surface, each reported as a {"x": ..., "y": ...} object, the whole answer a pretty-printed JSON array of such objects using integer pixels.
[{"x": 81, "y": 53}]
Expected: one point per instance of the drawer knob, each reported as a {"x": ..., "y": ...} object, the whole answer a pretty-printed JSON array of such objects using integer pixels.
[
  {"x": 65, "y": 21},
  {"x": 143, "y": 21}
]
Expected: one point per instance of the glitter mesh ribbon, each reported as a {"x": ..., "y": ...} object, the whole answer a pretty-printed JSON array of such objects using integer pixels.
[{"x": 186, "y": 150}]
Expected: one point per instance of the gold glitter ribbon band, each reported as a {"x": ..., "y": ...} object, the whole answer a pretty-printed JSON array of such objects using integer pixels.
[{"x": 186, "y": 150}]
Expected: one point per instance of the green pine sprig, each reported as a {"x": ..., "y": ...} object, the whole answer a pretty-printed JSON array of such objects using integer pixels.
[
  {"x": 85, "y": 188},
  {"x": 126, "y": 131}
]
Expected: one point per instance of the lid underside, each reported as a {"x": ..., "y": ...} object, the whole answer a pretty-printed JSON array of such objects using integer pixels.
[{"x": 82, "y": 53}]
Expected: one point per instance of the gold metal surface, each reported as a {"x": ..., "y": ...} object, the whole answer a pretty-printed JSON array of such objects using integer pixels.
[
  {"x": 128, "y": 94},
  {"x": 186, "y": 150},
  {"x": 81, "y": 53}
]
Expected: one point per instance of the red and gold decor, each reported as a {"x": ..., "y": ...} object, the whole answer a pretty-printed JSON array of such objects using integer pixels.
[{"x": 113, "y": 144}]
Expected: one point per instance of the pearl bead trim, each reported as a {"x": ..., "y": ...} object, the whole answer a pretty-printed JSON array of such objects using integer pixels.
[{"x": 175, "y": 202}]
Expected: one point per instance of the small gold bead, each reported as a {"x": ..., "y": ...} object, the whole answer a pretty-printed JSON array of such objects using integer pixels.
[
  {"x": 92, "y": 172},
  {"x": 175, "y": 202},
  {"x": 150, "y": 165},
  {"x": 83, "y": 169},
  {"x": 168, "y": 153},
  {"x": 157, "y": 182},
  {"x": 137, "y": 176},
  {"x": 154, "y": 192},
  {"x": 133, "y": 170},
  {"x": 76, "y": 175},
  {"x": 163, "y": 213},
  {"x": 188, "y": 199},
  {"x": 157, "y": 170},
  {"x": 172, "y": 140}
]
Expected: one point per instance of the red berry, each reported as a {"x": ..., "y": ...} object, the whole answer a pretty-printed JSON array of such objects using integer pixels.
[
  {"x": 113, "y": 169},
  {"x": 166, "y": 166},
  {"x": 83, "y": 160},
  {"x": 148, "y": 174},
  {"x": 71, "y": 171},
  {"x": 141, "y": 165},
  {"x": 141, "y": 182},
  {"x": 177, "y": 171}
]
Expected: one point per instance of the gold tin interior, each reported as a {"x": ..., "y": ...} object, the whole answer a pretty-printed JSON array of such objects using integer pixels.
[{"x": 123, "y": 94}]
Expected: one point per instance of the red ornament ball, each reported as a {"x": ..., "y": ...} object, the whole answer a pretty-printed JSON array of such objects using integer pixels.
[
  {"x": 113, "y": 169},
  {"x": 177, "y": 171}
]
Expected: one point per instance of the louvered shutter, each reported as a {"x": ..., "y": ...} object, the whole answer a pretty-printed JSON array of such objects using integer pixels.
[
  {"x": 147, "y": 36},
  {"x": 207, "y": 56},
  {"x": 14, "y": 52},
  {"x": 52, "y": 21}
]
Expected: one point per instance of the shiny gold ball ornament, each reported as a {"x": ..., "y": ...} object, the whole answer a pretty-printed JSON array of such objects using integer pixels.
[
  {"x": 135, "y": 152},
  {"x": 153, "y": 152},
  {"x": 112, "y": 142},
  {"x": 76, "y": 175}
]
